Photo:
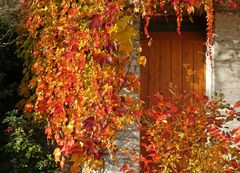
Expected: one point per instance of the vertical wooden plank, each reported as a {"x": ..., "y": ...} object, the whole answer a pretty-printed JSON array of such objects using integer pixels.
[
  {"x": 199, "y": 67},
  {"x": 165, "y": 65},
  {"x": 188, "y": 69},
  {"x": 177, "y": 64},
  {"x": 144, "y": 74},
  {"x": 153, "y": 69}
]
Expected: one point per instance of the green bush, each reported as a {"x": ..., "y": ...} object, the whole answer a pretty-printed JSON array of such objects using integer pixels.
[{"x": 27, "y": 145}]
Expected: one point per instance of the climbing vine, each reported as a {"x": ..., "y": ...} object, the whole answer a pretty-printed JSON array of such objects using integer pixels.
[{"x": 77, "y": 55}]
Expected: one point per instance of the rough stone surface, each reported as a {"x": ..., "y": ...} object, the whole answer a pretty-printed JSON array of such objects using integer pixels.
[
  {"x": 129, "y": 138},
  {"x": 226, "y": 71},
  {"x": 226, "y": 56}
]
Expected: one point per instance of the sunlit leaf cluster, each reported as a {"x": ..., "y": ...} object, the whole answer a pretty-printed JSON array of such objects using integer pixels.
[
  {"x": 78, "y": 57},
  {"x": 183, "y": 135}
]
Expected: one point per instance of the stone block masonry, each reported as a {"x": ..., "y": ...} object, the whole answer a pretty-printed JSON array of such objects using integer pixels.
[{"x": 226, "y": 56}]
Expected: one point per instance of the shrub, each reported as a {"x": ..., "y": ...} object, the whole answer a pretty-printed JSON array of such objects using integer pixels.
[
  {"x": 27, "y": 145},
  {"x": 189, "y": 133}
]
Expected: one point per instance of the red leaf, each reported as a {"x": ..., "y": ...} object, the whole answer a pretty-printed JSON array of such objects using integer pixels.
[
  {"x": 176, "y": 2},
  {"x": 165, "y": 134},
  {"x": 191, "y": 2},
  {"x": 234, "y": 130},
  {"x": 234, "y": 163},
  {"x": 124, "y": 167},
  {"x": 59, "y": 108},
  {"x": 143, "y": 144},
  {"x": 8, "y": 130},
  {"x": 69, "y": 54},
  {"x": 144, "y": 160},
  {"x": 111, "y": 46},
  {"x": 162, "y": 5},
  {"x": 229, "y": 170},
  {"x": 112, "y": 9},
  {"x": 95, "y": 22},
  {"x": 237, "y": 138},
  {"x": 48, "y": 132},
  {"x": 103, "y": 59},
  {"x": 72, "y": 11},
  {"x": 89, "y": 123},
  {"x": 153, "y": 155},
  {"x": 70, "y": 99},
  {"x": 234, "y": 5},
  {"x": 237, "y": 104},
  {"x": 98, "y": 156}
]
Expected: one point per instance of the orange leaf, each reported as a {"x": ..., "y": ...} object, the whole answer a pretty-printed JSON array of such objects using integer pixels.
[{"x": 74, "y": 168}]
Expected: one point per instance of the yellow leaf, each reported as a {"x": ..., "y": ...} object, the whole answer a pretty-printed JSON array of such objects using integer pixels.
[
  {"x": 87, "y": 170},
  {"x": 70, "y": 127},
  {"x": 126, "y": 47},
  {"x": 124, "y": 22},
  {"x": 124, "y": 34},
  {"x": 150, "y": 42},
  {"x": 99, "y": 163},
  {"x": 62, "y": 162},
  {"x": 124, "y": 37},
  {"x": 121, "y": 3},
  {"x": 190, "y": 9},
  {"x": 78, "y": 159},
  {"x": 57, "y": 154},
  {"x": 139, "y": 49},
  {"x": 142, "y": 60},
  {"x": 112, "y": 29}
]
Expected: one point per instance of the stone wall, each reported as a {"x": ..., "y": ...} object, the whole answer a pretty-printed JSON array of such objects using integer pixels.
[
  {"x": 225, "y": 76},
  {"x": 226, "y": 58}
]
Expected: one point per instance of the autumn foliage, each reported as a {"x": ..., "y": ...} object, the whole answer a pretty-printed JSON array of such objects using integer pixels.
[
  {"x": 77, "y": 55},
  {"x": 182, "y": 135},
  {"x": 78, "y": 66}
]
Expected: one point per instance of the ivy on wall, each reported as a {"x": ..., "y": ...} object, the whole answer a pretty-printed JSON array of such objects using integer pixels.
[{"x": 75, "y": 54}]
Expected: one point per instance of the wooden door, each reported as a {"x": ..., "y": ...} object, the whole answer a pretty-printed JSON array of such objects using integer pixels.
[{"x": 176, "y": 59}]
